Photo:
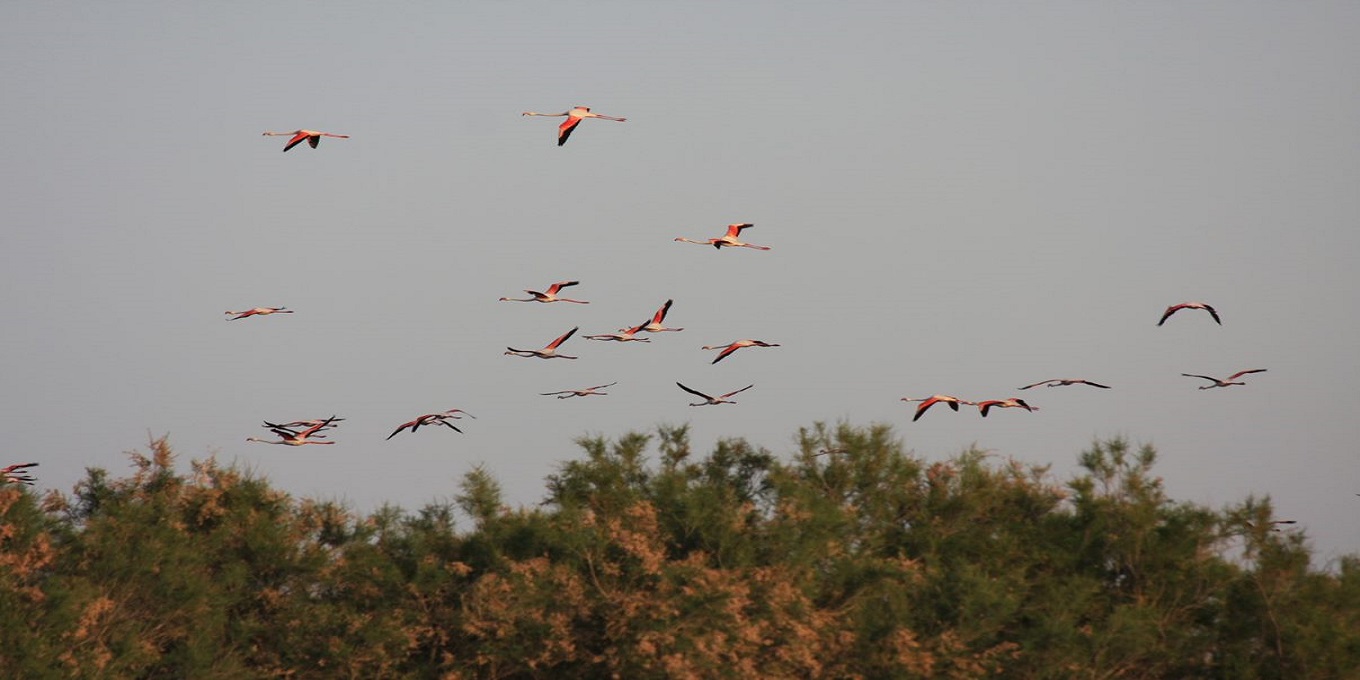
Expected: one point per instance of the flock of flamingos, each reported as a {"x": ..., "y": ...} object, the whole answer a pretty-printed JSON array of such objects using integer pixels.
[{"x": 303, "y": 432}]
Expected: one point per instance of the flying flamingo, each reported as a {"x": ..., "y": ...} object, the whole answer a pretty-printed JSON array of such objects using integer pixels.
[
  {"x": 656, "y": 324},
  {"x": 16, "y": 474},
  {"x": 312, "y": 136},
  {"x": 1224, "y": 383},
  {"x": 728, "y": 349},
  {"x": 574, "y": 118},
  {"x": 712, "y": 401},
  {"x": 587, "y": 392},
  {"x": 1059, "y": 382},
  {"x": 984, "y": 406},
  {"x": 729, "y": 239},
  {"x": 432, "y": 419},
  {"x": 549, "y": 352},
  {"x": 624, "y": 334},
  {"x": 258, "y": 311},
  {"x": 549, "y": 296},
  {"x": 927, "y": 402},
  {"x": 291, "y": 438},
  {"x": 1189, "y": 305}
]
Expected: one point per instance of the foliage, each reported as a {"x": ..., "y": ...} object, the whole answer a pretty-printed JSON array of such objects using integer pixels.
[{"x": 852, "y": 559}]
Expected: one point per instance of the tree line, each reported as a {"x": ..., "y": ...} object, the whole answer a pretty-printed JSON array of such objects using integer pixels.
[{"x": 851, "y": 559}]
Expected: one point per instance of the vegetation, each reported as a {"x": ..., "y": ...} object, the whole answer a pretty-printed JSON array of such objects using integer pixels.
[{"x": 852, "y": 560}]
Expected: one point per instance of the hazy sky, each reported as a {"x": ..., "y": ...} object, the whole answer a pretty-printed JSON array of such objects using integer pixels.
[{"x": 961, "y": 197}]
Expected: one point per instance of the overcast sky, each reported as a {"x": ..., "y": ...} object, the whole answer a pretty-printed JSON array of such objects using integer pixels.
[{"x": 960, "y": 197}]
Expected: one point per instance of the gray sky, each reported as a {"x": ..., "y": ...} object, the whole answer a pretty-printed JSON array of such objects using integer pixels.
[{"x": 961, "y": 198}]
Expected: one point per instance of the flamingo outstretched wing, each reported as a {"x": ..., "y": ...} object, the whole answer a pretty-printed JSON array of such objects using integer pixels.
[
  {"x": 297, "y": 139},
  {"x": 696, "y": 393},
  {"x": 561, "y": 339},
  {"x": 564, "y": 130}
]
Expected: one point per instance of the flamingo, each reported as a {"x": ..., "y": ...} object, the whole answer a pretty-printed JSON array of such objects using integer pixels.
[
  {"x": 312, "y": 136},
  {"x": 624, "y": 334},
  {"x": 1059, "y": 382},
  {"x": 16, "y": 474},
  {"x": 431, "y": 419},
  {"x": 713, "y": 401},
  {"x": 291, "y": 438},
  {"x": 415, "y": 424},
  {"x": 656, "y": 324},
  {"x": 549, "y": 296},
  {"x": 574, "y": 118},
  {"x": 1224, "y": 383},
  {"x": 258, "y": 311},
  {"x": 549, "y": 352},
  {"x": 587, "y": 392},
  {"x": 729, "y": 239},
  {"x": 927, "y": 402},
  {"x": 984, "y": 406},
  {"x": 1189, "y": 305},
  {"x": 728, "y": 349}
]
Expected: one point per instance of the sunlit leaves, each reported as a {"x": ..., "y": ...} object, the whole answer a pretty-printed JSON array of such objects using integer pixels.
[{"x": 848, "y": 558}]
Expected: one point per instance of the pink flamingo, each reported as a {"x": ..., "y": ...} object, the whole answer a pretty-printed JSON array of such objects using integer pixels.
[
  {"x": 729, "y": 239},
  {"x": 549, "y": 352},
  {"x": 574, "y": 118},
  {"x": 549, "y": 296},
  {"x": 624, "y": 334},
  {"x": 312, "y": 136},
  {"x": 984, "y": 406},
  {"x": 713, "y": 401},
  {"x": 927, "y": 402},
  {"x": 587, "y": 392},
  {"x": 1189, "y": 305},
  {"x": 728, "y": 349},
  {"x": 16, "y": 474},
  {"x": 657, "y": 323},
  {"x": 291, "y": 438},
  {"x": 1224, "y": 383},
  {"x": 432, "y": 419},
  {"x": 1059, "y": 382},
  {"x": 258, "y": 311}
]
